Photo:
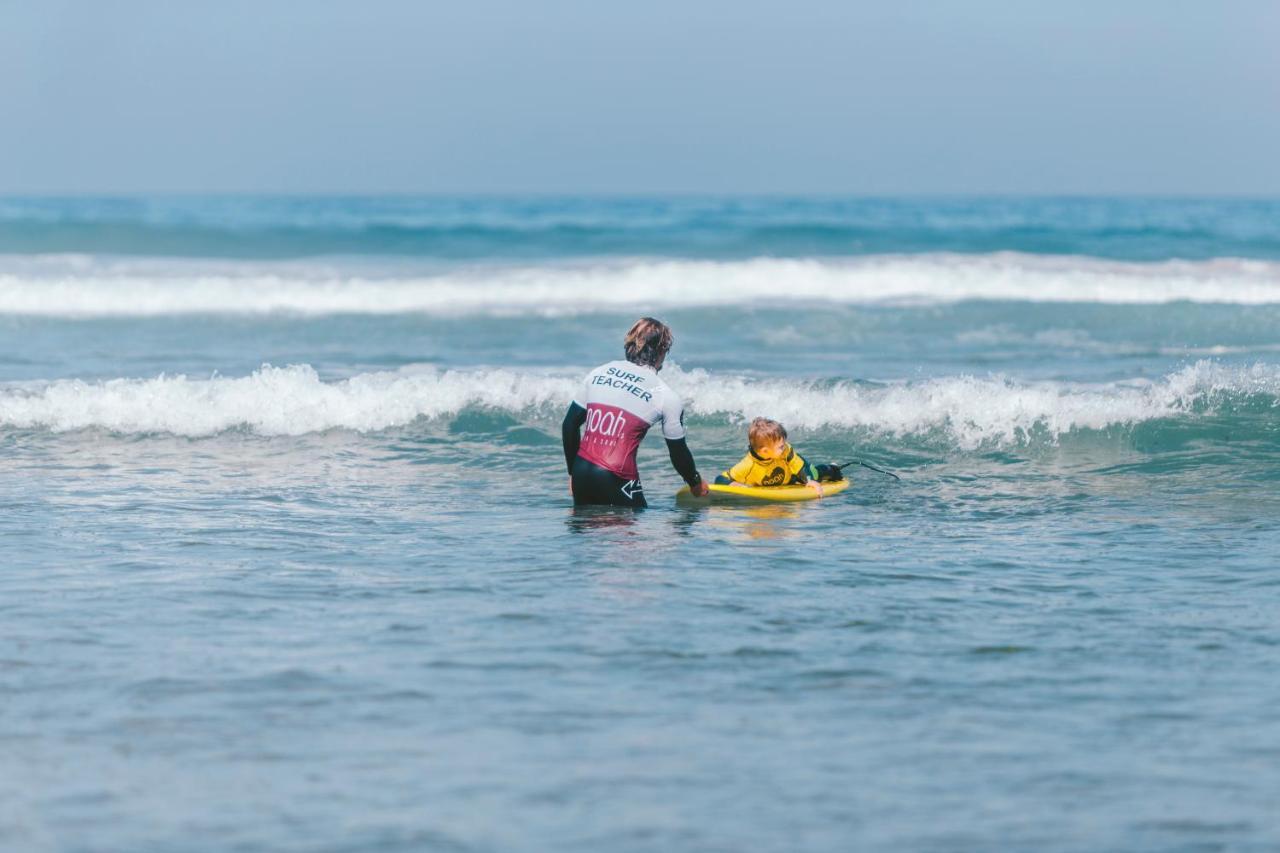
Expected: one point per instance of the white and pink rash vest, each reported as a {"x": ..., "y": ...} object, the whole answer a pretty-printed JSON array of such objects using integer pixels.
[{"x": 622, "y": 401}]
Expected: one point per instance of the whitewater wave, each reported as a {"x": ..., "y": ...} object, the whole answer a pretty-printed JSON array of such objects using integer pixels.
[
  {"x": 80, "y": 286},
  {"x": 970, "y": 412}
]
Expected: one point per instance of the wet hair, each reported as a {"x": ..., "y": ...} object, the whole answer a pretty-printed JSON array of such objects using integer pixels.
[
  {"x": 648, "y": 342},
  {"x": 764, "y": 431}
]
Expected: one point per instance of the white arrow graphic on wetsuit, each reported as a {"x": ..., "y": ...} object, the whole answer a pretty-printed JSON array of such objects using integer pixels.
[{"x": 630, "y": 488}]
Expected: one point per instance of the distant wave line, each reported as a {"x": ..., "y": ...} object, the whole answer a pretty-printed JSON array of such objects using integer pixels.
[{"x": 78, "y": 286}]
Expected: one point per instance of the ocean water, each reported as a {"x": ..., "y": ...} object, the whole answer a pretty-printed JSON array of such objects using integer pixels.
[{"x": 289, "y": 560}]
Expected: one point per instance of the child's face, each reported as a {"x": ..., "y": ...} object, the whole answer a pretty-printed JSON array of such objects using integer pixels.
[{"x": 771, "y": 449}]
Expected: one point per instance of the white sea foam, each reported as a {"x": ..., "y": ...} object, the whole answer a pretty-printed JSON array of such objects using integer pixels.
[
  {"x": 969, "y": 411},
  {"x": 78, "y": 286},
  {"x": 976, "y": 411},
  {"x": 274, "y": 401}
]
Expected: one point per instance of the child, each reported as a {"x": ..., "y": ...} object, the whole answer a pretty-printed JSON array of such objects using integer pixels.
[{"x": 770, "y": 461}]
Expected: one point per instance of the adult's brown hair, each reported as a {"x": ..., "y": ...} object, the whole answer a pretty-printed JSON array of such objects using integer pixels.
[{"x": 648, "y": 342}]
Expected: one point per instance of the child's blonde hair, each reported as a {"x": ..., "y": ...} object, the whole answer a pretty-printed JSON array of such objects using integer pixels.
[{"x": 764, "y": 431}]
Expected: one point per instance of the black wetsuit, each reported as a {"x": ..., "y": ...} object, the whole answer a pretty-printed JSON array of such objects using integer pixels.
[{"x": 595, "y": 485}]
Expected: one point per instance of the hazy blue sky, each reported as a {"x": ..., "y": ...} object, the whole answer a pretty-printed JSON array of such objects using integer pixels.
[{"x": 1077, "y": 96}]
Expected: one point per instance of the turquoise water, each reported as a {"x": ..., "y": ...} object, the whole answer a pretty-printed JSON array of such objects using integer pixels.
[{"x": 290, "y": 562}]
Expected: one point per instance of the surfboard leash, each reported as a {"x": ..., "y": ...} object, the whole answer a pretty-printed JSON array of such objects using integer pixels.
[{"x": 844, "y": 465}]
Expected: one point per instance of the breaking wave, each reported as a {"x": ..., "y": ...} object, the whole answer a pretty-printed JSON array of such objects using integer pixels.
[{"x": 969, "y": 411}]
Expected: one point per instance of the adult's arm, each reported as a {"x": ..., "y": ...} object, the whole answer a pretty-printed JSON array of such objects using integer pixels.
[
  {"x": 681, "y": 456},
  {"x": 571, "y": 432},
  {"x": 682, "y": 461}
]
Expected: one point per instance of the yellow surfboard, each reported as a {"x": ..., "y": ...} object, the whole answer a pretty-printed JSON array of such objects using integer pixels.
[{"x": 721, "y": 494}]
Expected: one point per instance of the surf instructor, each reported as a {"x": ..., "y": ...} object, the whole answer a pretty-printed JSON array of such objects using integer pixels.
[{"x": 618, "y": 403}]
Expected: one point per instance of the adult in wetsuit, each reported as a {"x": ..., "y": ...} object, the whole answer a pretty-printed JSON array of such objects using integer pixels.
[{"x": 618, "y": 403}]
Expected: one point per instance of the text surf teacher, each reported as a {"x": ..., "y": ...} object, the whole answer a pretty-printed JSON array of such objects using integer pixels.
[{"x": 618, "y": 403}]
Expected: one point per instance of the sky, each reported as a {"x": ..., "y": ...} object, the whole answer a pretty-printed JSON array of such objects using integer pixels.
[{"x": 1147, "y": 97}]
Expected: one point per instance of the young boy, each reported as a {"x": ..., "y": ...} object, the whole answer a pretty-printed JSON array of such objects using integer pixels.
[{"x": 771, "y": 461}]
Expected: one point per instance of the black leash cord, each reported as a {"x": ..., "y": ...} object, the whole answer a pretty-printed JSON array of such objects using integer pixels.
[{"x": 869, "y": 465}]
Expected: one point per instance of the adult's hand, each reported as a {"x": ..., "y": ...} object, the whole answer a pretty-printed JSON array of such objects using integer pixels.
[{"x": 701, "y": 490}]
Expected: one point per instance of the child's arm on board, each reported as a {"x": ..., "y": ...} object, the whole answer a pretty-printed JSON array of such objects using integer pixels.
[
  {"x": 737, "y": 475},
  {"x": 805, "y": 473}
]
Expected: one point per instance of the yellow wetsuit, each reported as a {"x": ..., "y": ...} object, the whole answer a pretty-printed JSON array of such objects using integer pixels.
[{"x": 788, "y": 469}]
